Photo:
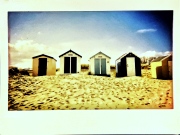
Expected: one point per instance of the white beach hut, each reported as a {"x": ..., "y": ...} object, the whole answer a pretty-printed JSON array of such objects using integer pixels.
[
  {"x": 70, "y": 62},
  {"x": 100, "y": 64}
]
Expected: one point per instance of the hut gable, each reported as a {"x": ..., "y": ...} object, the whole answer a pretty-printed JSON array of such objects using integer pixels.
[
  {"x": 70, "y": 51},
  {"x": 130, "y": 54},
  {"x": 100, "y": 53},
  {"x": 44, "y": 56}
]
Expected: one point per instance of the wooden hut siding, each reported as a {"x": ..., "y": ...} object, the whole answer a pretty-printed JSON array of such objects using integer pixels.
[
  {"x": 170, "y": 69},
  {"x": 70, "y": 62},
  {"x": 43, "y": 65},
  {"x": 161, "y": 68},
  {"x": 100, "y": 64},
  {"x": 128, "y": 65}
]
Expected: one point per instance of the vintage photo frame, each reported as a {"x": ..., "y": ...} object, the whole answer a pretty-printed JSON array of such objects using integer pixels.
[{"x": 97, "y": 121}]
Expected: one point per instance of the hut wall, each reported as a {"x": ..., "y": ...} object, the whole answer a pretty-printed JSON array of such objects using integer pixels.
[
  {"x": 116, "y": 64},
  {"x": 35, "y": 64},
  {"x": 51, "y": 66},
  {"x": 91, "y": 67},
  {"x": 170, "y": 69},
  {"x": 61, "y": 65},
  {"x": 165, "y": 69},
  {"x": 156, "y": 69},
  {"x": 138, "y": 66},
  {"x": 78, "y": 64}
]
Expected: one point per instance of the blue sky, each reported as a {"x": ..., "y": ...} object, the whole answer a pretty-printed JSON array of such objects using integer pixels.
[{"x": 113, "y": 32}]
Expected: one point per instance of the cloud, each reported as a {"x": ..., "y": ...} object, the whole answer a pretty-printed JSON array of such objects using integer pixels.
[
  {"x": 22, "y": 51},
  {"x": 146, "y": 30},
  {"x": 167, "y": 52},
  {"x": 39, "y": 33},
  {"x": 154, "y": 54}
]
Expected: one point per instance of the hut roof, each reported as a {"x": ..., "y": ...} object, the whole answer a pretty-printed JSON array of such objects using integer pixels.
[
  {"x": 158, "y": 59},
  {"x": 121, "y": 56},
  {"x": 161, "y": 58},
  {"x": 126, "y": 55},
  {"x": 44, "y": 55},
  {"x": 100, "y": 53},
  {"x": 70, "y": 51}
]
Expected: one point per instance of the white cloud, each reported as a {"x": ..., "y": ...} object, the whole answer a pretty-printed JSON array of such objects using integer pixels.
[
  {"x": 39, "y": 33},
  {"x": 167, "y": 53},
  {"x": 154, "y": 54},
  {"x": 146, "y": 30},
  {"x": 22, "y": 51}
]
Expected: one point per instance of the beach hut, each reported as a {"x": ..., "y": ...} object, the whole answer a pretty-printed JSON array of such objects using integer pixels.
[
  {"x": 161, "y": 67},
  {"x": 70, "y": 62},
  {"x": 43, "y": 65},
  {"x": 128, "y": 65},
  {"x": 100, "y": 64}
]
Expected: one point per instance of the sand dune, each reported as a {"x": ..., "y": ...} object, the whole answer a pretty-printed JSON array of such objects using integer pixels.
[{"x": 81, "y": 91}]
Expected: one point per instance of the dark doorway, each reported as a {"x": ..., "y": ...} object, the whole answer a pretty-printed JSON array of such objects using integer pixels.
[
  {"x": 42, "y": 66},
  {"x": 73, "y": 64},
  {"x": 66, "y": 64}
]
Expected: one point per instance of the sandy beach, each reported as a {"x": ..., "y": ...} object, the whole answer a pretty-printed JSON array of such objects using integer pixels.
[{"x": 88, "y": 92}]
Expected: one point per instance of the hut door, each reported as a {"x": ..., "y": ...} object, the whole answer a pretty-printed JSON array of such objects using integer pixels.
[
  {"x": 100, "y": 66},
  {"x": 97, "y": 66},
  {"x": 170, "y": 68},
  {"x": 42, "y": 66},
  {"x": 66, "y": 64},
  {"x": 130, "y": 63},
  {"x": 103, "y": 66},
  {"x": 73, "y": 64}
]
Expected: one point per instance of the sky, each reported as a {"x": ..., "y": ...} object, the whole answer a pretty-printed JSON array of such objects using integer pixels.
[{"x": 145, "y": 33}]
